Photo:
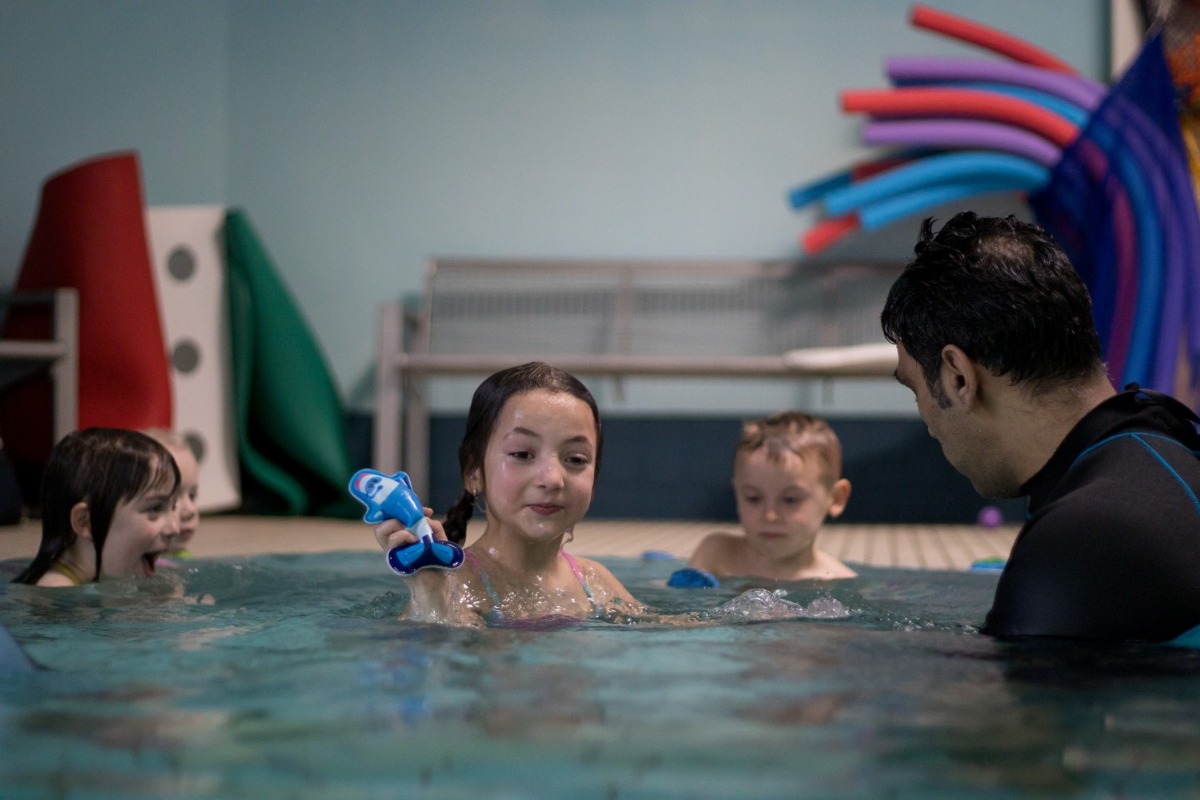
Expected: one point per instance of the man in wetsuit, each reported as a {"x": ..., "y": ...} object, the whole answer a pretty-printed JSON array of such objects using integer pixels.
[{"x": 995, "y": 337}]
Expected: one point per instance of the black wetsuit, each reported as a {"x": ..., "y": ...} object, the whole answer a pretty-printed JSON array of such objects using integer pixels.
[{"x": 1111, "y": 546}]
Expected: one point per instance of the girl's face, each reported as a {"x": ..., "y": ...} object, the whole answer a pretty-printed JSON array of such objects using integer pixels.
[
  {"x": 540, "y": 465},
  {"x": 185, "y": 506},
  {"x": 142, "y": 528},
  {"x": 782, "y": 505}
]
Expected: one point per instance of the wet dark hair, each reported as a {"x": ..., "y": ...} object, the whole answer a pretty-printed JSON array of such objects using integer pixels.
[
  {"x": 1004, "y": 292},
  {"x": 102, "y": 467},
  {"x": 486, "y": 405}
]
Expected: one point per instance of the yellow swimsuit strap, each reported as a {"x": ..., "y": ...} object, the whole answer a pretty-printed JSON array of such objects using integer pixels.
[{"x": 66, "y": 569}]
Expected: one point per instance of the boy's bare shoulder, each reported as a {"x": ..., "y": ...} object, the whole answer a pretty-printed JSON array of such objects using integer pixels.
[
  {"x": 722, "y": 539},
  {"x": 715, "y": 549}
]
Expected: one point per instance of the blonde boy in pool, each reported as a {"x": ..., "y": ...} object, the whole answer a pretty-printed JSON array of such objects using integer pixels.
[{"x": 787, "y": 479}]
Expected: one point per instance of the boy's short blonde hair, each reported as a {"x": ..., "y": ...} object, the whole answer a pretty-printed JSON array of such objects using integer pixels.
[{"x": 793, "y": 432}]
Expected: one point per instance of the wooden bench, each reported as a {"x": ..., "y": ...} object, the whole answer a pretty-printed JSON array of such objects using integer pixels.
[{"x": 621, "y": 319}]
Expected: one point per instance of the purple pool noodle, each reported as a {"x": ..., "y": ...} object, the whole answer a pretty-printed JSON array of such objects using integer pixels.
[
  {"x": 1183, "y": 232},
  {"x": 1020, "y": 172},
  {"x": 1083, "y": 92},
  {"x": 1125, "y": 228},
  {"x": 1159, "y": 323},
  {"x": 1150, "y": 255},
  {"x": 1174, "y": 212},
  {"x": 959, "y": 133}
]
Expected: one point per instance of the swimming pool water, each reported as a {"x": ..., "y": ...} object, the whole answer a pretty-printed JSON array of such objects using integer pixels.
[{"x": 289, "y": 676}]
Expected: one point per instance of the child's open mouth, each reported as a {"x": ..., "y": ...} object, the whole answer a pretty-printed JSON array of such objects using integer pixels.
[{"x": 149, "y": 564}]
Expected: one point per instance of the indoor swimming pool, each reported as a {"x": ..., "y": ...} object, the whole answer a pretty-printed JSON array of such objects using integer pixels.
[{"x": 289, "y": 676}]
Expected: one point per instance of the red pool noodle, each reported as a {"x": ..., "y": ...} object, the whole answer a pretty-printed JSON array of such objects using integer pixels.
[
  {"x": 918, "y": 102},
  {"x": 971, "y": 32},
  {"x": 869, "y": 168},
  {"x": 828, "y": 232}
]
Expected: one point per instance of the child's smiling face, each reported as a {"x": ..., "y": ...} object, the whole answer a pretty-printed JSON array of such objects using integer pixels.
[{"x": 143, "y": 527}]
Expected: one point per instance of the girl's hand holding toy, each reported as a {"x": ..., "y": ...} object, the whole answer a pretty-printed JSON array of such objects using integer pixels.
[{"x": 392, "y": 497}]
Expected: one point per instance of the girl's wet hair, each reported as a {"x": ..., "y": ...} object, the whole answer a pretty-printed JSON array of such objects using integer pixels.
[
  {"x": 796, "y": 433},
  {"x": 486, "y": 405},
  {"x": 102, "y": 467}
]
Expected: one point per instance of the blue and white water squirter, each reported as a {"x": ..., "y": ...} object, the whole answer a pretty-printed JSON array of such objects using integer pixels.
[{"x": 392, "y": 497}]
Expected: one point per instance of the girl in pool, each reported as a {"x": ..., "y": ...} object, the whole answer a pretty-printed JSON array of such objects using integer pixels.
[
  {"x": 108, "y": 508},
  {"x": 189, "y": 487},
  {"x": 528, "y": 462}
]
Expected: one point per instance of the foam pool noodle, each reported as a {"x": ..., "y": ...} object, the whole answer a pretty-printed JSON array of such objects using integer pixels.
[{"x": 392, "y": 497}]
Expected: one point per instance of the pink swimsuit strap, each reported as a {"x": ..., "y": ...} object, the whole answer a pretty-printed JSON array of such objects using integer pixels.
[{"x": 578, "y": 572}]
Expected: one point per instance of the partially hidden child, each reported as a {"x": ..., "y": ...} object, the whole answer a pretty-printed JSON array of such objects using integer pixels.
[
  {"x": 787, "y": 481},
  {"x": 189, "y": 487}
]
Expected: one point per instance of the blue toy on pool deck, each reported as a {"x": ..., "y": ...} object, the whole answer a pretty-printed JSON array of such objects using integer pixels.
[{"x": 392, "y": 497}]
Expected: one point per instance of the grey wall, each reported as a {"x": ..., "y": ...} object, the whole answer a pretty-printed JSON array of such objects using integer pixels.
[{"x": 362, "y": 137}]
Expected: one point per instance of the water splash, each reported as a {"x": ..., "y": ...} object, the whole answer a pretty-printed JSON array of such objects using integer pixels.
[{"x": 757, "y": 605}]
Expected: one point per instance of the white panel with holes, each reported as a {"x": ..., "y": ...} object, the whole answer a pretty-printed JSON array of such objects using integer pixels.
[{"x": 187, "y": 248}]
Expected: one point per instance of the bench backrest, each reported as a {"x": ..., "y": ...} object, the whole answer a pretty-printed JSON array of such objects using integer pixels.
[{"x": 650, "y": 308}]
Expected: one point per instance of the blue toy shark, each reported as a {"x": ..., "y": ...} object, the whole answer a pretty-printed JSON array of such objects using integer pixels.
[{"x": 392, "y": 497}]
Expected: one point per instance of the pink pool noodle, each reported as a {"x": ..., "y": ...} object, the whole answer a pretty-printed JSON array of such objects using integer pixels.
[
  {"x": 1075, "y": 89},
  {"x": 971, "y": 32},
  {"x": 960, "y": 133},
  {"x": 917, "y": 102}
]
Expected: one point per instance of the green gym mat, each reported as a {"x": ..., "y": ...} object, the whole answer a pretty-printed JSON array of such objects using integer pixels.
[{"x": 290, "y": 421}]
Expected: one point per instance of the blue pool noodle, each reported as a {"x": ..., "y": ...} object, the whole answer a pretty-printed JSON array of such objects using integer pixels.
[{"x": 971, "y": 165}]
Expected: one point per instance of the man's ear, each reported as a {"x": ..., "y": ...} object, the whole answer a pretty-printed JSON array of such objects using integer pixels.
[
  {"x": 959, "y": 376},
  {"x": 81, "y": 520}
]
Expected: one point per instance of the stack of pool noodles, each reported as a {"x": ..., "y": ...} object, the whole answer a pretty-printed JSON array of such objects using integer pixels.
[{"x": 1104, "y": 168}]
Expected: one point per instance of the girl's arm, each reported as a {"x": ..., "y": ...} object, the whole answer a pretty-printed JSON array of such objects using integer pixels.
[
  {"x": 435, "y": 594},
  {"x": 608, "y": 591},
  {"x": 437, "y": 598}
]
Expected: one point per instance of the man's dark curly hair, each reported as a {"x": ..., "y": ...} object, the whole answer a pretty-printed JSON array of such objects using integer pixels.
[{"x": 1004, "y": 292}]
